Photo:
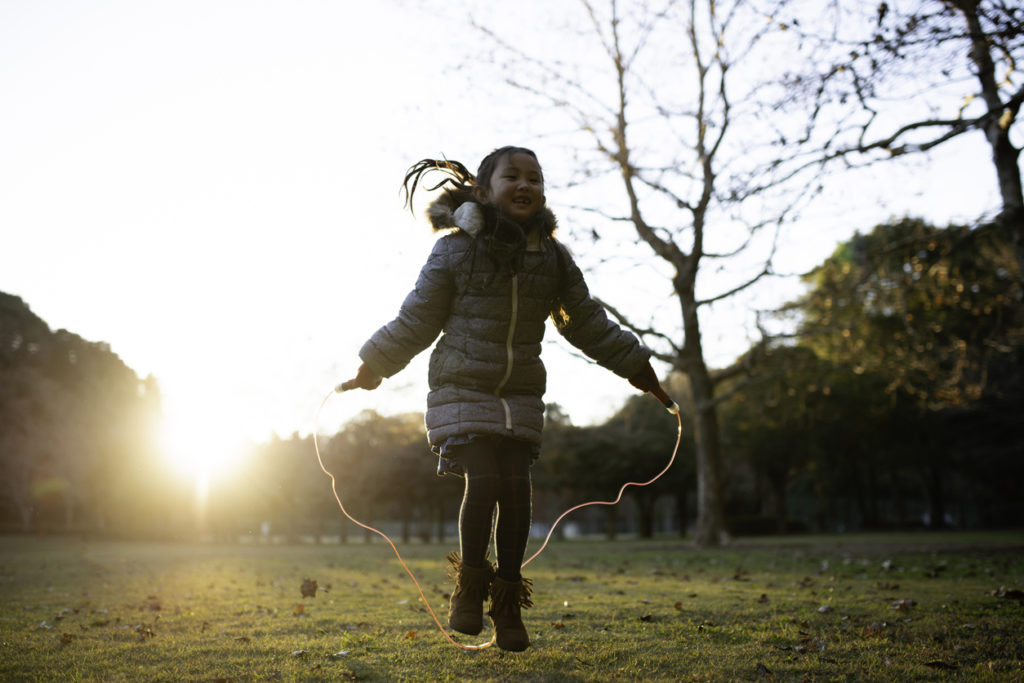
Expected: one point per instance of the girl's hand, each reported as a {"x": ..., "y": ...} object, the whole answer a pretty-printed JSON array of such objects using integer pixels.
[
  {"x": 647, "y": 381},
  {"x": 364, "y": 379}
]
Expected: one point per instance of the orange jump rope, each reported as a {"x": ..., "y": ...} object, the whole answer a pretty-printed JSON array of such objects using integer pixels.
[{"x": 659, "y": 393}]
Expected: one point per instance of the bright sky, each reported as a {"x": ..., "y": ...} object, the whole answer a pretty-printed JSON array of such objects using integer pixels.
[{"x": 212, "y": 189}]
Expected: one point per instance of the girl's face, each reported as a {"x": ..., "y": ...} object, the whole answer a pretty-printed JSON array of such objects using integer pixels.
[{"x": 516, "y": 187}]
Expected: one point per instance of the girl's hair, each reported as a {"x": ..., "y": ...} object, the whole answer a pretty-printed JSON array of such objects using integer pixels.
[
  {"x": 459, "y": 182},
  {"x": 504, "y": 240}
]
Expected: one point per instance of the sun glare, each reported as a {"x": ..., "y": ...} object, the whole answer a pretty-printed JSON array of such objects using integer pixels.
[{"x": 199, "y": 445}]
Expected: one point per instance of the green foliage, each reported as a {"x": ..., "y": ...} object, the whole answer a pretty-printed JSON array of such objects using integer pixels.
[
  {"x": 836, "y": 608},
  {"x": 929, "y": 308},
  {"x": 903, "y": 385}
]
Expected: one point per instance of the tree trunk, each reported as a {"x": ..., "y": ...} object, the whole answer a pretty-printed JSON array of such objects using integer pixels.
[
  {"x": 779, "y": 485},
  {"x": 711, "y": 529},
  {"x": 611, "y": 520},
  {"x": 25, "y": 511},
  {"x": 681, "y": 517},
  {"x": 936, "y": 502},
  {"x": 645, "y": 507},
  {"x": 997, "y": 131}
]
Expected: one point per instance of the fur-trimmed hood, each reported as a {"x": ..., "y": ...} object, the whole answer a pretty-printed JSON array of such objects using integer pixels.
[{"x": 449, "y": 211}]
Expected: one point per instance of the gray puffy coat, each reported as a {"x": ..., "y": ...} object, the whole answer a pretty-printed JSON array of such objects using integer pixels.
[{"x": 485, "y": 375}]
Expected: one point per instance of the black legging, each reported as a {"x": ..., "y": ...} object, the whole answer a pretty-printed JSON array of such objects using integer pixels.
[{"x": 497, "y": 475}]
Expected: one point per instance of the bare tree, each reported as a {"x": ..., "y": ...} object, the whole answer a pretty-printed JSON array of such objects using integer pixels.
[
  {"x": 905, "y": 76},
  {"x": 664, "y": 103}
]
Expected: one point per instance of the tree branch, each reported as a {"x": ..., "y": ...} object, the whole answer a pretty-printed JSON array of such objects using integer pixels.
[{"x": 644, "y": 332}]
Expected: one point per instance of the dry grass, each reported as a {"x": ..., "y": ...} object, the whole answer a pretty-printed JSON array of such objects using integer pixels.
[{"x": 921, "y": 607}]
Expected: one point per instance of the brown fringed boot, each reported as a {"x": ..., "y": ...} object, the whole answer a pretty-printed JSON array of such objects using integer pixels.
[
  {"x": 508, "y": 598},
  {"x": 466, "y": 609}
]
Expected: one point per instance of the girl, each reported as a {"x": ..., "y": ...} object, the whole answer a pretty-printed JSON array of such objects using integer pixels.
[{"x": 487, "y": 288}]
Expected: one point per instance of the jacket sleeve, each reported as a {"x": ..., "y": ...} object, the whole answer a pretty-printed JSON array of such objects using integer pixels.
[
  {"x": 420, "y": 318},
  {"x": 585, "y": 324}
]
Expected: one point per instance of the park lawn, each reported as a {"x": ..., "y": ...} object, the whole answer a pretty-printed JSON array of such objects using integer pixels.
[{"x": 852, "y": 607}]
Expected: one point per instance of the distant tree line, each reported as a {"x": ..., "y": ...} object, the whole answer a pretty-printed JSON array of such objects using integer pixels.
[
  {"x": 77, "y": 432},
  {"x": 891, "y": 398}
]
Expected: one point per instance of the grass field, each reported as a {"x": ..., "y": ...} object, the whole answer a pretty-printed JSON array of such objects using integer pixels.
[{"x": 852, "y": 607}]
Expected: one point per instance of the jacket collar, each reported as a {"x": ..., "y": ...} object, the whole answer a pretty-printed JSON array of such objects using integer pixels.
[{"x": 447, "y": 212}]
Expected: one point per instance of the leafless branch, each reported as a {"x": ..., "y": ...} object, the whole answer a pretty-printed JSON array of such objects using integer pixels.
[{"x": 643, "y": 332}]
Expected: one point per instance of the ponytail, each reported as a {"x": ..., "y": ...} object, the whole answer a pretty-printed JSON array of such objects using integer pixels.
[{"x": 458, "y": 181}]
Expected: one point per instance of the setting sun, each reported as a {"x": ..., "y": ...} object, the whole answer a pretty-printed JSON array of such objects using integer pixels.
[{"x": 200, "y": 444}]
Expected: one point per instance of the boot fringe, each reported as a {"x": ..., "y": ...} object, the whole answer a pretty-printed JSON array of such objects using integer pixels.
[
  {"x": 506, "y": 596},
  {"x": 454, "y": 559}
]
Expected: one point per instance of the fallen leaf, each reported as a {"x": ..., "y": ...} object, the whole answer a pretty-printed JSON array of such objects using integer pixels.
[
  {"x": 678, "y": 605},
  {"x": 410, "y": 635},
  {"x": 1011, "y": 594},
  {"x": 308, "y": 588},
  {"x": 876, "y": 627},
  {"x": 939, "y": 664},
  {"x": 557, "y": 624},
  {"x": 763, "y": 598},
  {"x": 300, "y": 609},
  {"x": 66, "y": 638},
  {"x": 340, "y": 653},
  {"x": 300, "y": 653},
  {"x": 903, "y": 605},
  {"x": 244, "y": 639},
  {"x": 825, "y": 609}
]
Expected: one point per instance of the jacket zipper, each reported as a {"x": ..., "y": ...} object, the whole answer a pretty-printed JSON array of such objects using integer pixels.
[{"x": 508, "y": 351}]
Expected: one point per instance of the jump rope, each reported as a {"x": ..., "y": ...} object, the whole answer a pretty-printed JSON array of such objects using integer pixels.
[{"x": 658, "y": 393}]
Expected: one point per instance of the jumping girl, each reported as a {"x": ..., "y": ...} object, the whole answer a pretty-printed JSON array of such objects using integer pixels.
[{"x": 488, "y": 287}]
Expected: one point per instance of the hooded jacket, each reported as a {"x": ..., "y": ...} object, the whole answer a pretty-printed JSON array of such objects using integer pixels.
[{"x": 485, "y": 373}]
